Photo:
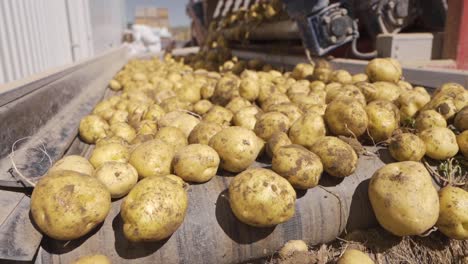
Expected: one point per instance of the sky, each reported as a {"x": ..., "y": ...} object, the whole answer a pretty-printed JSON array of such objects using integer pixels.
[{"x": 177, "y": 16}]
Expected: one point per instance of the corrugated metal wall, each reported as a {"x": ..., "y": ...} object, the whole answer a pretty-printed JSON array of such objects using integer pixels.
[{"x": 36, "y": 35}]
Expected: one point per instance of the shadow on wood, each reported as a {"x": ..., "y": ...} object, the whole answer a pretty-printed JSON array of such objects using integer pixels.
[
  {"x": 235, "y": 229},
  {"x": 131, "y": 250}
]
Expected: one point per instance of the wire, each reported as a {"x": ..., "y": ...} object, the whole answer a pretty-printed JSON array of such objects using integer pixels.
[{"x": 360, "y": 55}]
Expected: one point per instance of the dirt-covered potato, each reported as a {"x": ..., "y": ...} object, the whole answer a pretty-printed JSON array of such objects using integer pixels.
[
  {"x": 172, "y": 136},
  {"x": 462, "y": 141},
  {"x": 146, "y": 127},
  {"x": 322, "y": 74},
  {"x": 237, "y": 147},
  {"x": 123, "y": 130},
  {"x": 443, "y": 104},
  {"x": 246, "y": 117},
  {"x": 360, "y": 77},
  {"x": 202, "y": 106},
  {"x": 179, "y": 119},
  {"x": 341, "y": 76},
  {"x": 303, "y": 71},
  {"x": 291, "y": 247},
  {"x": 154, "y": 215},
  {"x": 225, "y": 89},
  {"x": 118, "y": 177},
  {"x": 346, "y": 91},
  {"x": 346, "y": 117},
  {"x": 429, "y": 119},
  {"x": 92, "y": 128},
  {"x": 115, "y": 85},
  {"x": 93, "y": 259},
  {"x": 196, "y": 163},
  {"x": 259, "y": 197},
  {"x": 73, "y": 163},
  {"x": 104, "y": 109},
  {"x": 407, "y": 147},
  {"x": 384, "y": 69},
  {"x": 298, "y": 88},
  {"x": 276, "y": 141},
  {"x": 152, "y": 158},
  {"x": 109, "y": 152},
  {"x": 67, "y": 205},
  {"x": 236, "y": 104},
  {"x": 398, "y": 207},
  {"x": 453, "y": 214},
  {"x": 292, "y": 111},
  {"x": 154, "y": 113},
  {"x": 461, "y": 120},
  {"x": 412, "y": 101},
  {"x": 384, "y": 118},
  {"x": 338, "y": 158},
  {"x": 172, "y": 104},
  {"x": 404, "y": 85},
  {"x": 386, "y": 91},
  {"x": 274, "y": 99},
  {"x": 298, "y": 165},
  {"x": 441, "y": 143},
  {"x": 119, "y": 116},
  {"x": 249, "y": 89},
  {"x": 269, "y": 123},
  {"x": 316, "y": 109},
  {"x": 307, "y": 130},
  {"x": 354, "y": 256},
  {"x": 203, "y": 132},
  {"x": 218, "y": 114}
]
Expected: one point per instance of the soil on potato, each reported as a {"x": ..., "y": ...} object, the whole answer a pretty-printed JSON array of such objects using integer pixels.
[{"x": 383, "y": 248}]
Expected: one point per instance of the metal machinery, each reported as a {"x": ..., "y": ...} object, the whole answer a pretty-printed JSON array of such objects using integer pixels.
[{"x": 322, "y": 26}]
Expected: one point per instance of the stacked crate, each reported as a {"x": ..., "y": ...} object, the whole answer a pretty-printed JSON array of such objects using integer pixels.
[{"x": 152, "y": 16}]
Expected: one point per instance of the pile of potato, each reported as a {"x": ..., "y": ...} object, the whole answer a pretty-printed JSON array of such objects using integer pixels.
[{"x": 171, "y": 125}]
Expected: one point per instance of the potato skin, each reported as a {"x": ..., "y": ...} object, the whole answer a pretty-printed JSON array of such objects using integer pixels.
[
  {"x": 246, "y": 117},
  {"x": 180, "y": 120},
  {"x": 383, "y": 119},
  {"x": 93, "y": 259},
  {"x": 218, "y": 114},
  {"x": 462, "y": 141},
  {"x": 92, "y": 128},
  {"x": 67, "y": 205},
  {"x": 153, "y": 209},
  {"x": 259, "y": 197},
  {"x": 301, "y": 167},
  {"x": 354, "y": 256},
  {"x": 73, "y": 163},
  {"x": 384, "y": 69},
  {"x": 461, "y": 120},
  {"x": 237, "y": 147},
  {"x": 407, "y": 147},
  {"x": 109, "y": 152},
  {"x": 453, "y": 214},
  {"x": 399, "y": 208},
  {"x": 269, "y": 123},
  {"x": 172, "y": 136},
  {"x": 291, "y": 247},
  {"x": 429, "y": 119},
  {"x": 118, "y": 177},
  {"x": 338, "y": 157},
  {"x": 152, "y": 158},
  {"x": 276, "y": 141},
  {"x": 307, "y": 130},
  {"x": 196, "y": 163},
  {"x": 123, "y": 130},
  {"x": 441, "y": 143},
  {"x": 346, "y": 117}
]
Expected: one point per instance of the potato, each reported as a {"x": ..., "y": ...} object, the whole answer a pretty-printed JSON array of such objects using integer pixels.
[
  {"x": 338, "y": 158},
  {"x": 398, "y": 207},
  {"x": 123, "y": 130},
  {"x": 307, "y": 130},
  {"x": 384, "y": 118},
  {"x": 288, "y": 109},
  {"x": 412, "y": 101},
  {"x": 298, "y": 165},
  {"x": 173, "y": 137},
  {"x": 219, "y": 115},
  {"x": 225, "y": 89},
  {"x": 303, "y": 71},
  {"x": 73, "y": 163},
  {"x": 115, "y": 85},
  {"x": 259, "y": 197},
  {"x": 276, "y": 141},
  {"x": 236, "y": 104},
  {"x": 269, "y": 123},
  {"x": 274, "y": 99},
  {"x": 118, "y": 177},
  {"x": 153, "y": 215},
  {"x": 179, "y": 119},
  {"x": 266, "y": 90},
  {"x": 203, "y": 132},
  {"x": 354, "y": 256},
  {"x": 323, "y": 74},
  {"x": 316, "y": 109},
  {"x": 249, "y": 89},
  {"x": 92, "y": 128},
  {"x": 237, "y": 147},
  {"x": 169, "y": 96},
  {"x": 404, "y": 85},
  {"x": 196, "y": 163},
  {"x": 67, "y": 205},
  {"x": 298, "y": 88},
  {"x": 443, "y": 104},
  {"x": 453, "y": 213},
  {"x": 188, "y": 92},
  {"x": 109, "y": 152},
  {"x": 461, "y": 119},
  {"x": 208, "y": 89},
  {"x": 429, "y": 119},
  {"x": 110, "y": 139},
  {"x": 346, "y": 91},
  {"x": 346, "y": 117},
  {"x": 140, "y": 139},
  {"x": 119, "y": 116},
  {"x": 202, "y": 106},
  {"x": 246, "y": 117},
  {"x": 104, "y": 109},
  {"x": 441, "y": 143},
  {"x": 360, "y": 77},
  {"x": 147, "y": 127},
  {"x": 384, "y": 69},
  {"x": 291, "y": 247},
  {"x": 386, "y": 91},
  {"x": 154, "y": 113},
  {"x": 93, "y": 259},
  {"x": 407, "y": 147},
  {"x": 462, "y": 140},
  {"x": 341, "y": 76},
  {"x": 152, "y": 158}
]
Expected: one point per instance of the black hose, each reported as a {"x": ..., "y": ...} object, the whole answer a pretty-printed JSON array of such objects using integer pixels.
[{"x": 360, "y": 55}]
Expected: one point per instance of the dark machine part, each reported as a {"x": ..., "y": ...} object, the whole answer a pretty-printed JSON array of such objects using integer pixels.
[{"x": 323, "y": 27}]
